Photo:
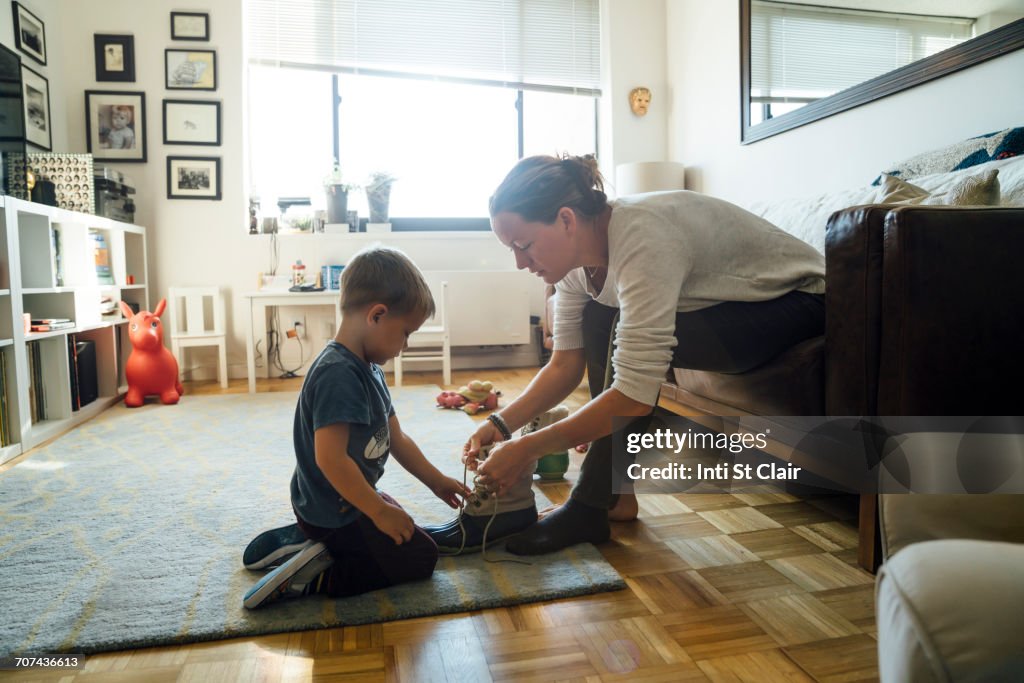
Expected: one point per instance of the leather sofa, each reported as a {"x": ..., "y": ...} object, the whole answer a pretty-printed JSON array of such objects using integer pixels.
[{"x": 923, "y": 317}]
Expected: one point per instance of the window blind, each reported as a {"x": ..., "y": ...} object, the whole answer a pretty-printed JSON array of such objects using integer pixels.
[
  {"x": 816, "y": 51},
  {"x": 531, "y": 44}
]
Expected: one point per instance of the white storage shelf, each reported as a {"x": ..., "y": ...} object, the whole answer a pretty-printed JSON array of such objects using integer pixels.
[{"x": 50, "y": 277}]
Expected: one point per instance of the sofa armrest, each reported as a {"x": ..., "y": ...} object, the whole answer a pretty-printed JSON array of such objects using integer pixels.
[
  {"x": 906, "y": 518},
  {"x": 952, "y": 287},
  {"x": 853, "y": 301}
]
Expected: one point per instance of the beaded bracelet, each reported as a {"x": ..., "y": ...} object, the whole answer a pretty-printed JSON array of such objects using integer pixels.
[{"x": 499, "y": 422}]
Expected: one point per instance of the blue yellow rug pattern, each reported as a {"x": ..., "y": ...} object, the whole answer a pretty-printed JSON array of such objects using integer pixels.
[{"x": 128, "y": 531}]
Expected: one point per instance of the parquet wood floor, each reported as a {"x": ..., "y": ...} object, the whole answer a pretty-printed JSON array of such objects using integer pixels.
[{"x": 749, "y": 587}]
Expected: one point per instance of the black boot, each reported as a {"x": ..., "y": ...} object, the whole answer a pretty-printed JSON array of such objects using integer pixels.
[
  {"x": 573, "y": 523},
  {"x": 449, "y": 536}
]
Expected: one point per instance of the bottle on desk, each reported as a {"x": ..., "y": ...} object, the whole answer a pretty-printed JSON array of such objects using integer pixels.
[{"x": 298, "y": 273}]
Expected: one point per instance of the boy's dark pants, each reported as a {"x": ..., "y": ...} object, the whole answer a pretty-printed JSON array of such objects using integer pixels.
[
  {"x": 366, "y": 559},
  {"x": 730, "y": 337}
]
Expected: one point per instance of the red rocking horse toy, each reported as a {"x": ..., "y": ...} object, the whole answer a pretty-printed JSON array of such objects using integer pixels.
[{"x": 151, "y": 368}]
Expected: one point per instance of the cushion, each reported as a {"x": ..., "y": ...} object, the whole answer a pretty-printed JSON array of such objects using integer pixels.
[
  {"x": 1001, "y": 144},
  {"x": 950, "y": 611},
  {"x": 806, "y": 217},
  {"x": 980, "y": 189}
]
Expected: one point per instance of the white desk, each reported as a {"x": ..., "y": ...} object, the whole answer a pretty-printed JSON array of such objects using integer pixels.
[{"x": 261, "y": 301}]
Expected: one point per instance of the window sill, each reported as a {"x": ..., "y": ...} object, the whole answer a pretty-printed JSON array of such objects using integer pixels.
[{"x": 399, "y": 236}]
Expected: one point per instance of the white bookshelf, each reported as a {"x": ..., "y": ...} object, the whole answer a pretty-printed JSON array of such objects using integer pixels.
[{"x": 29, "y": 284}]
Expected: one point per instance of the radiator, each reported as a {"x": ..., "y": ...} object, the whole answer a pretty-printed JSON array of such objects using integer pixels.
[{"x": 486, "y": 307}]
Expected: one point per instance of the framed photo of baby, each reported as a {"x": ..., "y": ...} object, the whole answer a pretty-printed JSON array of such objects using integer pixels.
[{"x": 115, "y": 125}]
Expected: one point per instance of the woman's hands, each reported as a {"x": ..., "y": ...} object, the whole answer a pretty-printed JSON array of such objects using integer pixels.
[
  {"x": 486, "y": 435},
  {"x": 506, "y": 464}
]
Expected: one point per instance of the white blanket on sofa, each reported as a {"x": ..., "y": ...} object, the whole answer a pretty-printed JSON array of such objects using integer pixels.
[{"x": 806, "y": 217}]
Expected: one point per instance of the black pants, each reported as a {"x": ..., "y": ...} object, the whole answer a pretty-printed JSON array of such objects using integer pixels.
[
  {"x": 366, "y": 559},
  {"x": 731, "y": 337}
]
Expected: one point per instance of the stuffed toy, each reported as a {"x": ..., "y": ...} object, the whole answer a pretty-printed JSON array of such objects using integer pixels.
[
  {"x": 471, "y": 398},
  {"x": 151, "y": 368},
  {"x": 552, "y": 465}
]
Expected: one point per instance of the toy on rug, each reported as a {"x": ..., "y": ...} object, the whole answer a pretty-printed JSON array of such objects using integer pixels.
[
  {"x": 552, "y": 465},
  {"x": 471, "y": 398},
  {"x": 151, "y": 368}
]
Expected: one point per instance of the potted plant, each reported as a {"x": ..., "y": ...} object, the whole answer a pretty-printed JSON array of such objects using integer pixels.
[
  {"x": 378, "y": 195},
  {"x": 337, "y": 195}
]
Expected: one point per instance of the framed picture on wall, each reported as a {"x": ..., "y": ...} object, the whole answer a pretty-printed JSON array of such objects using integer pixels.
[
  {"x": 115, "y": 125},
  {"x": 193, "y": 177},
  {"x": 190, "y": 69},
  {"x": 191, "y": 122},
  {"x": 190, "y": 26},
  {"x": 29, "y": 33},
  {"x": 36, "y": 98},
  {"x": 115, "y": 57}
]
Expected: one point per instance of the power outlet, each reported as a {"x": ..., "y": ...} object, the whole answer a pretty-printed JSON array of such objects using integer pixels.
[{"x": 299, "y": 325}]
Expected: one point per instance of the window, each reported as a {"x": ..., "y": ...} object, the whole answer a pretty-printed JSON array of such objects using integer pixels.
[
  {"x": 801, "y": 53},
  {"x": 447, "y": 115}
]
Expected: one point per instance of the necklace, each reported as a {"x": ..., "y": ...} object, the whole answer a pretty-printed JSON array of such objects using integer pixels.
[{"x": 592, "y": 272}]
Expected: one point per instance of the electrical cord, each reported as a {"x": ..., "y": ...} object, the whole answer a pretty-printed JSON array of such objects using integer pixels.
[{"x": 274, "y": 348}]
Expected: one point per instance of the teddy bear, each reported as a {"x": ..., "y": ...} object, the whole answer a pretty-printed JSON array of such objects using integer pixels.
[
  {"x": 470, "y": 398},
  {"x": 121, "y": 135}
]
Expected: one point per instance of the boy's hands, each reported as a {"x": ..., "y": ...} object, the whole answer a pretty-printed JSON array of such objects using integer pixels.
[
  {"x": 393, "y": 521},
  {"x": 450, "y": 491}
]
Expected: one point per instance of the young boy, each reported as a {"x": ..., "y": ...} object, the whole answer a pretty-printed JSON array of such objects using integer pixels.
[{"x": 354, "y": 538}]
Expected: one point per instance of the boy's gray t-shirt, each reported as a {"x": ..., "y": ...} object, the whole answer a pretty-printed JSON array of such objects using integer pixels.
[{"x": 339, "y": 387}]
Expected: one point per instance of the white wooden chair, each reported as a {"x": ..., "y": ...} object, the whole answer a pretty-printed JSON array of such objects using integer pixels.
[
  {"x": 189, "y": 328},
  {"x": 432, "y": 342}
]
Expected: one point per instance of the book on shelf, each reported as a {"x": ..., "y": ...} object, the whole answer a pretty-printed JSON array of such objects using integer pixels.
[
  {"x": 50, "y": 321},
  {"x": 76, "y": 401},
  {"x": 37, "y": 391},
  {"x": 5, "y": 423},
  {"x": 51, "y": 327},
  {"x": 58, "y": 266},
  {"x": 104, "y": 275}
]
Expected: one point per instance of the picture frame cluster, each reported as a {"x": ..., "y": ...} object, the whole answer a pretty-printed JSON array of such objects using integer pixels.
[
  {"x": 116, "y": 120},
  {"x": 30, "y": 39}
]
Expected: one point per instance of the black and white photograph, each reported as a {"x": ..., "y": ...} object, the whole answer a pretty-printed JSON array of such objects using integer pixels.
[
  {"x": 191, "y": 122},
  {"x": 29, "y": 33},
  {"x": 115, "y": 124},
  {"x": 190, "y": 69},
  {"x": 115, "y": 57},
  {"x": 193, "y": 177},
  {"x": 12, "y": 100},
  {"x": 190, "y": 26},
  {"x": 36, "y": 96}
]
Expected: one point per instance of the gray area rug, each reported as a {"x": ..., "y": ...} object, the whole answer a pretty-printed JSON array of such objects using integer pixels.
[{"x": 128, "y": 531}]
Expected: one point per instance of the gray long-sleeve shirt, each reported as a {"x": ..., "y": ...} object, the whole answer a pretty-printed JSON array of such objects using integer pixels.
[{"x": 679, "y": 251}]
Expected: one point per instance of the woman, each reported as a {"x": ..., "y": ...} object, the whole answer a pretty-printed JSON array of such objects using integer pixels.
[{"x": 691, "y": 280}]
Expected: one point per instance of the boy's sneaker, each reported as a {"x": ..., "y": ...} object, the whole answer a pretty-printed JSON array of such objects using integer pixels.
[
  {"x": 274, "y": 547},
  {"x": 298, "y": 576}
]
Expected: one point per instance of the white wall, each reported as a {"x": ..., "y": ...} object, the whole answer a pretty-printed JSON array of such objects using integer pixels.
[
  {"x": 633, "y": 54},
  {"x": 195, "y": 242},
  {"x": 843, "y": 151}
]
